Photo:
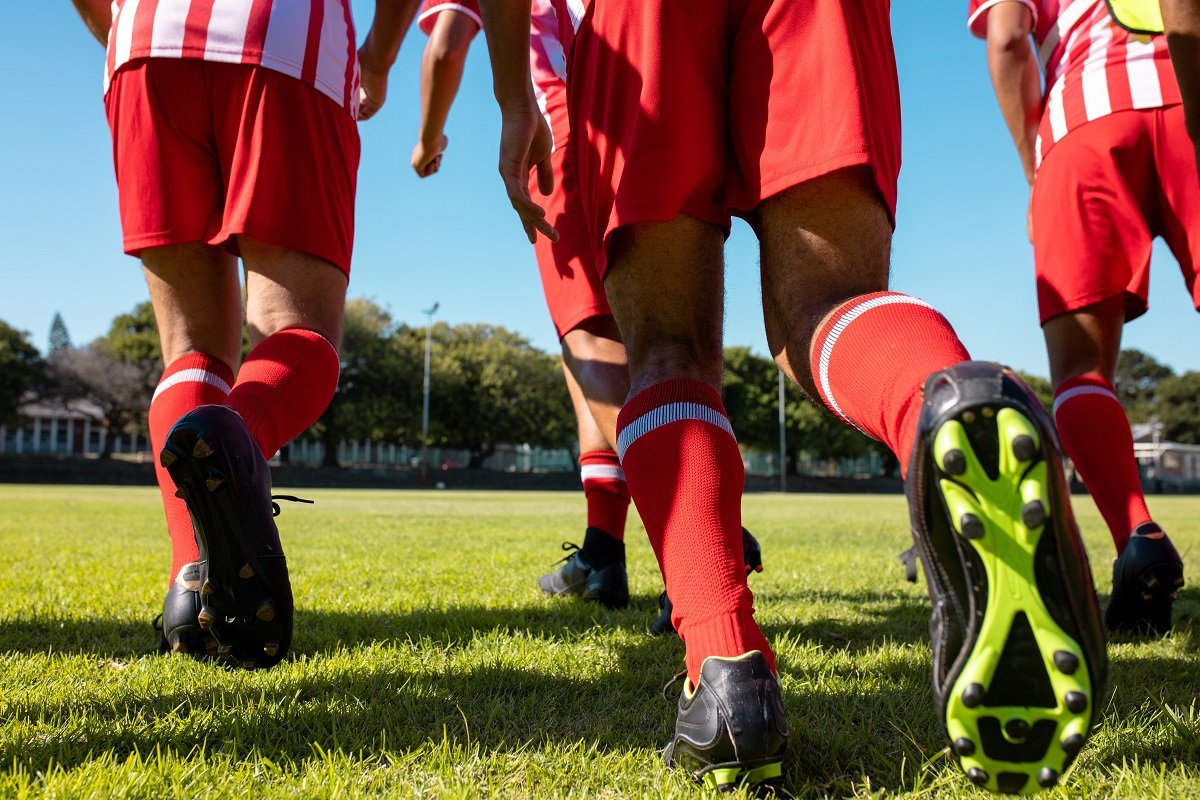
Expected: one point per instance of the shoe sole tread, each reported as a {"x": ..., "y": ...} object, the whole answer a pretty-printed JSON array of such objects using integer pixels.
[
  {"x": 1003, "y": 519},
  {"x": 246, "y": 618}
]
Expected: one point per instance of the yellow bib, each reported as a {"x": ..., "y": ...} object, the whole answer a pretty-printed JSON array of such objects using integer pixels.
[{"x": 1137, "y": 16}]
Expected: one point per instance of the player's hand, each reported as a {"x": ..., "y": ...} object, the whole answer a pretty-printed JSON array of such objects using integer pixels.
[
  {"x": 372, "y": 90},
  {"x": 427, "y": 158},
  {"x": 525, "y": 144}
]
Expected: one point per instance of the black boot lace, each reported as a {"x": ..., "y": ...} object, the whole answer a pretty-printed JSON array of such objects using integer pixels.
[
  {"x": 571, "y": 549},
  {"x": 677, "y": 678},
  {"x": 290, "y": 498}
]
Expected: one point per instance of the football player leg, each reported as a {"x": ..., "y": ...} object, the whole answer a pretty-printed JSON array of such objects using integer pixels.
[
  {"x": 983, "y": 477},
  {"x": 596, "y": 571}
]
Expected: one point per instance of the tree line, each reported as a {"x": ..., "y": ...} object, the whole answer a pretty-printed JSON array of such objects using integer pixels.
[{"x": 489, "y": 386}]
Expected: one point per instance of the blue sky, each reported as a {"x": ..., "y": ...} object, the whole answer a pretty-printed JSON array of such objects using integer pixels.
[{"x": 960, "y": 242}]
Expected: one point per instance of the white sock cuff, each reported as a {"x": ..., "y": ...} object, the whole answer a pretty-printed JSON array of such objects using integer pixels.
[{"x": 1080, "y": 391}]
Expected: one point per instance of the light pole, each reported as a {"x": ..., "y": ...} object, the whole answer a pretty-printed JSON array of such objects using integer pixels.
[
  {"x": 782, "y": 435},
  {"x": 428, "y": 312}
]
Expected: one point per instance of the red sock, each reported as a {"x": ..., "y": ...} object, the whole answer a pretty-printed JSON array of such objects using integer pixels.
[
  {"x": 686, "y": 475},
  {"x": 870, "y": 361},
  {"x": 189, "y": 381},
  {"x": 285, "y": 385},
  {"x": 1095, "y": 433},
  {"x": 606, "y": 492}
]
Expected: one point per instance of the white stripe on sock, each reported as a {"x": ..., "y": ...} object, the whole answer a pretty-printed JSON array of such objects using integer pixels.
[
  {"x": 610, "y": 472},
  {"x": 1076, "y": 391},
  {"x": 665, "y": 415},
  {"x": 194, "y": 375},
  {"x": 836, "y": 331}
]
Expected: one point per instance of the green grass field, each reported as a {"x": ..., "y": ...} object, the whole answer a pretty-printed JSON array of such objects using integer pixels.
[{"x": 427, "y": 664}]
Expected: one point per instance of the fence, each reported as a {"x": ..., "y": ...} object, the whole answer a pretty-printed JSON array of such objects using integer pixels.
[
  {"x": 870, "y": 465},
  {"x": 67, "y": 436},
  {"x": 1168, "y": 466},
  {"x": 506, "y": 458}
]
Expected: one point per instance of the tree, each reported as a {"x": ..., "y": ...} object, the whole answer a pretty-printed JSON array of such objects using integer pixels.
[
  {"x": 751, "y": 397},
  {"x": 1137, "y": 383},
  {"x": 1178, "y": 407},
  {"x": 1042, "y": 388},
  {"x": 750, "y": 392},
  {"x": 488, "y": 386},
  {"x": 133, "y": 337},
  {"x": 117, "y": 373},
  {"x": 59, "y": 338},
  {"x": 378, "y": 394},
  {"x": 819, "y": 433},
  {"x": 491, "y": 386},
  {"x": 21, "y": 367},
  {"x": 120, "y": 389}
]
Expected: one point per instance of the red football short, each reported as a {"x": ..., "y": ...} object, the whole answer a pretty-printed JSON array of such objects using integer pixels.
[
  {"x": 207, "y": 151},
  {"x": 709, "y": 108},
  {"x": 574, "y": 291},
  {"x": 1101, "y": 196}
]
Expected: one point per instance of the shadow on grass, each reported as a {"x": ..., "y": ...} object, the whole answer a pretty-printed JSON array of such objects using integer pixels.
[
  {"x": 105, "y": 638},
  {"x": 320, "y": 631},
  {"x": 883, "y": 617},
  {"x": 874, "y": 723},
  {"x": 361, "y": 705},
  {"x": 878, "y": 617}
]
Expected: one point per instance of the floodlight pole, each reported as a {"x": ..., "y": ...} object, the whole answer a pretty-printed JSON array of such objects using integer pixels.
[
  {"x": 782, "y": 436},
  {"x": 428, "y": 312}
]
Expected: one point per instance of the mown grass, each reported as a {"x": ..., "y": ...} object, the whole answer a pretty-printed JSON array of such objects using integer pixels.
[{"x": 427, "y": 664}]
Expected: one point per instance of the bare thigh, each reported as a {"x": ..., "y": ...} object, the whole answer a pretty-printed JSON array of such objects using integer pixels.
[
  {"x": 595, "y": 362},
  {"x": 823, "y": 242},
  {"x": 665, "y": 285},
  {"x": 197, "y": 301},
  {"x": 1085, "y": 341},
  {"x": 290, "y": 289},
  {"x": 591, "y": 435}
]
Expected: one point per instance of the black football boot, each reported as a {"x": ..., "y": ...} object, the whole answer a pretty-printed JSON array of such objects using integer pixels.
[
  {"x": 607, "y": 585},
  {"x": 245, "y": 595},
  {"x": 1146, "y": 577},
  {"x": 731, "y": 729},
  {"x": 180, "y": 629},
  {"x": 1019, "y": 659}
]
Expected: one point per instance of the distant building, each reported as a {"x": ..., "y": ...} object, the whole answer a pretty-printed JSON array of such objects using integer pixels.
[
  {"x": 74, "y": 429},
  {"x": 1165, "y": 464},
  {"x": 77, "y": 429}
]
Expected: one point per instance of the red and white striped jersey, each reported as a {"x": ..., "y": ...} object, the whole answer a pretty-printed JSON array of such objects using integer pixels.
[
  {"x": 310, "y": 40},
  {"x": 1092, "y": 66},
  {"x": 547, "y": 53},
  {"x": 568, "y": 14}
]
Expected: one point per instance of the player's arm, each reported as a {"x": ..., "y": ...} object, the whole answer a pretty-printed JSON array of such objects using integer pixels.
[
  {"x": 524, "y": 137},
  {"x": 97, "y": 16},
  {"x": 1182, "y": 21},
  {"x": 379, "y": 50},
  {"x": 1015, "y": 76},
  {"x": 441, "y": 75}
]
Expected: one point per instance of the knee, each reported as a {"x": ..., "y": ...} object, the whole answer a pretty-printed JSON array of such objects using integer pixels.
[
  {"x": 666, "y": 359},
  {"x": 792, "y": 326},
  {"x": 595, "y": 337},
  {"x": 1085, "y": 342}
]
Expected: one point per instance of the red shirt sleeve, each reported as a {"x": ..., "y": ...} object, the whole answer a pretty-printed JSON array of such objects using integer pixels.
[
  {"x": 977, "y": 11},
  {"x": 431, "y": 8}
]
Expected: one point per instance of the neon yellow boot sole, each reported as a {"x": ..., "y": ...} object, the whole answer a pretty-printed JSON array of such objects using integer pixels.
[
  {"x": 1019, "y": 656},
  {"x": 1003, "y": 520}
]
